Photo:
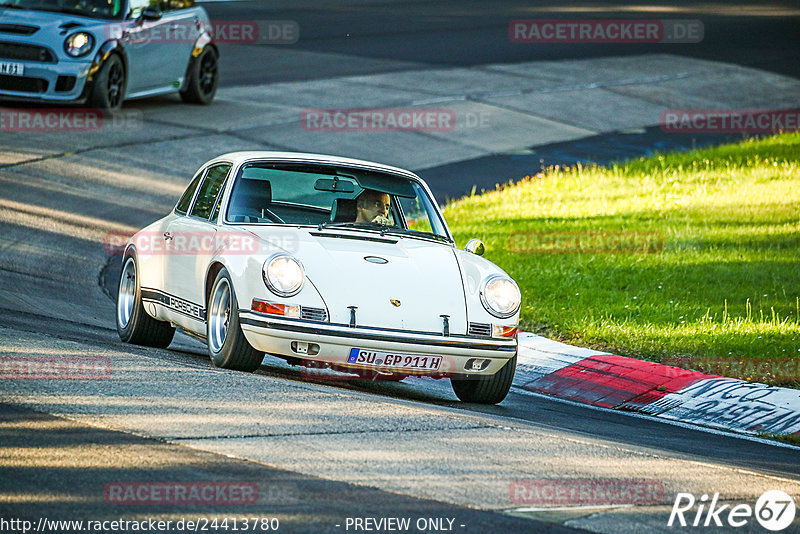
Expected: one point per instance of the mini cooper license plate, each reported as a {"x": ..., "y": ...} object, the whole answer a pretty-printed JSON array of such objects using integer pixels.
[
  {"x": 394, "y": 360},
  {"x": 14, "y": 69}
]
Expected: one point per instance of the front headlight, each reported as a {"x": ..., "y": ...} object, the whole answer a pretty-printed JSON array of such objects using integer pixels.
[
  {"x": 283, "y": 275},
  {"x": 500, "y": 296},
  {"x": 79, "y": 44}
]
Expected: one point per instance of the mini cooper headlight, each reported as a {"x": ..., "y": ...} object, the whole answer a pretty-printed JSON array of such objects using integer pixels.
[
  {"x": 283, "y": 275},
  {"x": 500, "y": 296},
  {"x": 79, "y": 44}
]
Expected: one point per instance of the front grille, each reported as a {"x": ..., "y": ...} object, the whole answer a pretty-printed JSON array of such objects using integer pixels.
[
  {"x": 22, "y": 84},
  {"x": 313, "y": 314},
  {"x": 480, "y": 329},
  {"x": 19, "y": 29},
  {"x": 26, "y": 52}
]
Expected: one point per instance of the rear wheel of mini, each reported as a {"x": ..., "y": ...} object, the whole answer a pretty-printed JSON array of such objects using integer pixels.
[
  {"x": 227, "y": 346},
  {"x": 486, "y": 389},
  {"x": 134, "y": 325}
]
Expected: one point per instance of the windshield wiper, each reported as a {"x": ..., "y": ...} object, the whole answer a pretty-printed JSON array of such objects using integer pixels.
[
  {"x": 322, "y": 225},
  {"x": 384, "y": 229},
  {"x": 9, "y": 5},
  {"x": 419, "y": 233}
]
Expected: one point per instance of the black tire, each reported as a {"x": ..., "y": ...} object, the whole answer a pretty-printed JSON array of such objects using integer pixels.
[
  {"x": 108, "y": 89},
  {"x": 136, "y": 326},
  {"x": 202, "y": 78},
  {"x": 486, "y": 389},
  {"x": 231, "y": 351}
]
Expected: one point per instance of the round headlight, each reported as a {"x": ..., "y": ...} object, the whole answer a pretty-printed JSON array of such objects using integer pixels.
[
  {"x": 79, "y": 44},
  {"x": 500, "y": 296},
  {"x": 283, "y": 275}
]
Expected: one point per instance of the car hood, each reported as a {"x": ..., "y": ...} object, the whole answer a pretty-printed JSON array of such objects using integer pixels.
[
  {"x": 419, "y": 281},
  {"x": 51, "y": 25}
]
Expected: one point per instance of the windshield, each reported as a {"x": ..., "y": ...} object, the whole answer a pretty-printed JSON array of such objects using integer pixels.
[
  {"x": 102, "y": 9},
  {"x": 332, "y": 197}
]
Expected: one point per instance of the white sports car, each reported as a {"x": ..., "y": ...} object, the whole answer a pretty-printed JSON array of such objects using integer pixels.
[{"x": 321, "y": 260}]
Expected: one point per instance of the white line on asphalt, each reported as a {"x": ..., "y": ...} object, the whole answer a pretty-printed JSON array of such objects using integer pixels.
[{"x": 438, "y": 100}]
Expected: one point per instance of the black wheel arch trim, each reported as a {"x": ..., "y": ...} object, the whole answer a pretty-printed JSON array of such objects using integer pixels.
[
  {"x": 203, "y": 41},
  {"x": 112, "y": 46}
]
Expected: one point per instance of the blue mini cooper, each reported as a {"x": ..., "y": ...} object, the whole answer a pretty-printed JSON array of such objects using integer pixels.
[{"x": 102, "y": 52}]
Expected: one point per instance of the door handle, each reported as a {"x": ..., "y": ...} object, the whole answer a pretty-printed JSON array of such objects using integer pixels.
[{"x": 167, "y": 235}]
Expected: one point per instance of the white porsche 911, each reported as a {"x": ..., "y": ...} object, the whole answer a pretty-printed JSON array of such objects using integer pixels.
[{"x": 321, "y": 260}]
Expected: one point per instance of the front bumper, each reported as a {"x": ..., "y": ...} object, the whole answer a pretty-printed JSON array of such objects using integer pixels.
[
  {"x": 280, "y": 336},
  {"x": 40, "y": 82}
]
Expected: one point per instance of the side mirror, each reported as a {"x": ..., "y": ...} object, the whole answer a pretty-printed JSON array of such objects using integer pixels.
[
  {"x": 151, "y": 13},
  {"x": 475, "y": 246}
]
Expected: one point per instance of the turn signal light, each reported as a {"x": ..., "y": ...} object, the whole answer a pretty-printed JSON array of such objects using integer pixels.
[
  {"x": 503, "y": 331},
  {"x": 287, "y": 310}
]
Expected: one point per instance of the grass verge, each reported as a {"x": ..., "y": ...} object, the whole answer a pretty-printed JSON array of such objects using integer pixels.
[{"x": 692, "y": 256}]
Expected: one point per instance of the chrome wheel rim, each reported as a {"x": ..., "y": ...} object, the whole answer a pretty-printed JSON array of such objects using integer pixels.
[
  {"x": 127, "y": 293},
  {"x": 219, "y": 315}
]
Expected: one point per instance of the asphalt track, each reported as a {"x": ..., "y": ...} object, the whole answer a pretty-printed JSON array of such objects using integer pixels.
[
  {"x": 325, "y": 451},
  {"x": 383, "y": 36},
  {"x": 388, "y": 36}
]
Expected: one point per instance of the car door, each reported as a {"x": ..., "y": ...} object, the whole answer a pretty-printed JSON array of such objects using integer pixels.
[
  {"x": 192, "y": 245},
  {"x": 184, "y": 23},
  {"x": 152, "y": 246},
  {"x": 157, "y": 49}
]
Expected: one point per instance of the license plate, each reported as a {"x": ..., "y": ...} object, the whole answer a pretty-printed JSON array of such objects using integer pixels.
[
  {"x": 14, "y": 69},
  {"x": 394, "y": 360}
]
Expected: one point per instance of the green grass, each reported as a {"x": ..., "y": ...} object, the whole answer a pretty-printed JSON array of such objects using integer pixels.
[{"x": 725, "y": 284}]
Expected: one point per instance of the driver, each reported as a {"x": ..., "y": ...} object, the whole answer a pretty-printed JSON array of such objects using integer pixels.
[{"x": 373, "y": 206}]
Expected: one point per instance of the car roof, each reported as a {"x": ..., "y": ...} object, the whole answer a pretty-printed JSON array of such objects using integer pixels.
[{"x": 238, "y": 158}]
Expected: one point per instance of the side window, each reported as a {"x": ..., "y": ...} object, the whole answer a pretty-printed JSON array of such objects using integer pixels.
[
  {"x": 186, "y": 199},
  {"x": 420, "y": 214},
  {"x": 137, "y": 6},
  {"x": 210, "y": 188}
]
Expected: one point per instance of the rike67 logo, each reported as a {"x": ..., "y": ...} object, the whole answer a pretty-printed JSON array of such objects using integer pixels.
[{"x": 774, "y": 510}]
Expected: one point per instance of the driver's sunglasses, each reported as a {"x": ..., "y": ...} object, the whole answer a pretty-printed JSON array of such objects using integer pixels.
[{"x": 379, "y": 204}]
